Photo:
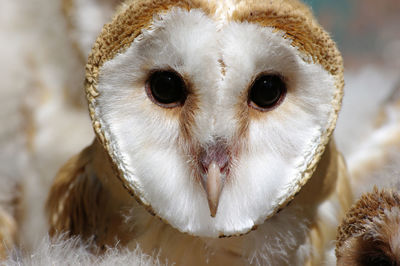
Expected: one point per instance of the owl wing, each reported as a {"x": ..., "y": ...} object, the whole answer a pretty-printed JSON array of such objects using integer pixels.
[
  {"x": 8, "y": 232},
  {"x": 69, "y": 205},
  {"x": 80, "y": 204}
]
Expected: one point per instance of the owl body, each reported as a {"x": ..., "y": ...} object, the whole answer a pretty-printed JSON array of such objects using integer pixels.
[{"x": 213, "y": 124}]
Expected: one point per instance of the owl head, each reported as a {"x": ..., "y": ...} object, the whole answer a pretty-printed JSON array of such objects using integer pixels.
[{"x": 214, "y": 113}]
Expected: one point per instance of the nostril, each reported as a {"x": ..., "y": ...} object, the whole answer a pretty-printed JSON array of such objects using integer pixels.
[
  {"x": 221, "y": 157},
  {"x": 204, "y": 166},
  {"x": 223, "y": 165},
  {"x": 205, "y": 160},
  {"x": 217, "y": 153}
]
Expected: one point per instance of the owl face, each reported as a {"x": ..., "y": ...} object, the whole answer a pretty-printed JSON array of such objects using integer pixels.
[{"x": 214, "y": 124}]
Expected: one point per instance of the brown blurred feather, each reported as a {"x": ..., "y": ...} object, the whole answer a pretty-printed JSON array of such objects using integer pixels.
[
  {"x": 80, "y": 204},
  {"x": 8, "y": 233}
]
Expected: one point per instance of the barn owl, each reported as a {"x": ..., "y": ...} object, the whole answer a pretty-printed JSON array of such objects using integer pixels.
[
  {"x": 213, "y": 124},
  {"x": 370, "y": 233}
]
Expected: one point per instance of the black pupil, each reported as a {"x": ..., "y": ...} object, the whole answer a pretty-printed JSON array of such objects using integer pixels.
[
  {"x": 267, "y": 91},
  {"x": 166, "y": 87}
]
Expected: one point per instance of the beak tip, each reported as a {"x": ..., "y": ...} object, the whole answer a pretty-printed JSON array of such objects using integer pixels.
[
  {"x": 213, "y": 183},
  {"x": 213, "y": 209}
]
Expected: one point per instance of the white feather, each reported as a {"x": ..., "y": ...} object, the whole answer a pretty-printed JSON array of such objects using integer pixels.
[{"x": 72, "y": 251}]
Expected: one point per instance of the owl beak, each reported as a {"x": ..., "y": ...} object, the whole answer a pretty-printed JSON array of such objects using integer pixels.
[
  {"x": 213, "y": 183},
  {"x": 214, "y": 163}
]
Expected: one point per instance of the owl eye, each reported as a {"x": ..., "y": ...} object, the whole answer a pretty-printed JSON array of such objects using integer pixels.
[
  {"x": 266, "y": 92},
  {"x": 166, "y": 89}
]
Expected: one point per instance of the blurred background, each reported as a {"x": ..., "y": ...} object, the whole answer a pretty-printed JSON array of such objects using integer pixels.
[
  {"x": 367, "y": 31},
  {"x": 44, "y": 120}
]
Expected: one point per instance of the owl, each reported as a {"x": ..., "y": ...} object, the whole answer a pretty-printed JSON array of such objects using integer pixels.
[
  {"x": 370, "y": 233},
  {"x": 213, "y": 123}
]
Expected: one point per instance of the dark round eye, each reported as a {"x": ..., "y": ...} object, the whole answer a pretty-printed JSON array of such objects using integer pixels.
[
  {"x": 166, "y": 88},
  {"x": 266, "y": 92},
  {"x": 377, "y": 260}
]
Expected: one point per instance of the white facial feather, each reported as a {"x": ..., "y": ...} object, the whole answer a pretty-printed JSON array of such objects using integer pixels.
[{"x": 279, "y": 144}]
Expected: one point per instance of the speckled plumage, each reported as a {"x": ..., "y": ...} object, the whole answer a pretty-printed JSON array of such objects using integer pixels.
[{"x": 370, "y": 232}]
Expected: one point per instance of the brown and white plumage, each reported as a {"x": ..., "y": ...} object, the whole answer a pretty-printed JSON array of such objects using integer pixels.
[
  {"x": 216, "y": 164},
  {"x": 370, "y": 233},
  {"x": 80, "y": 199}
]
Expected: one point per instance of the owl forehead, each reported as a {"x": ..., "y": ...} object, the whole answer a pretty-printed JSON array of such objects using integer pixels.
[
  {"x": 196, "y": 38},
  {"x": 205, "y": 54},
  {"x": 290, "y": 16},
  {"x": 181, "y": 40}
]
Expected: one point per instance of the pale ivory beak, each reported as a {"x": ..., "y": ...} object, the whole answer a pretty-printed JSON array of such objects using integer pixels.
[
  {"x": 214, "y": 161},
  {"x": 213, "y": 184}
]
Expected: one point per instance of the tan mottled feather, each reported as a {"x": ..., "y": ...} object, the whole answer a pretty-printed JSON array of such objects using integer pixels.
[
  {"x": 80, "y": 204},
  {"x": 370, "y": 232},
  {"x": 8, "y": 233}
]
